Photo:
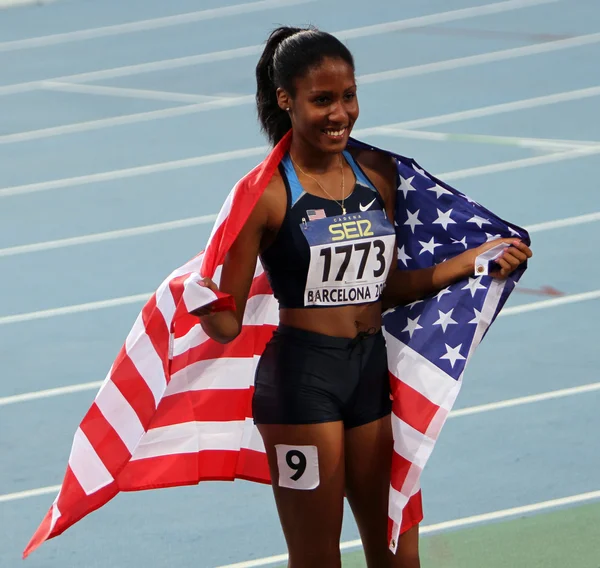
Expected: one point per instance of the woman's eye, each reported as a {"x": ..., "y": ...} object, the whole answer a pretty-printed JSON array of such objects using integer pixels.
[
  {"x": 322, "y": 100},
  {"x": 350, "y": 96}
]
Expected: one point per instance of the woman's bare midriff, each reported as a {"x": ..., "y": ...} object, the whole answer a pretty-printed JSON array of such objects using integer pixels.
[{"x": 345, "y": 321}]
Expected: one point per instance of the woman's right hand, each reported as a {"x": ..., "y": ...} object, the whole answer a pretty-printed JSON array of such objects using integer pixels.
[{"x": 206, "y": 310}]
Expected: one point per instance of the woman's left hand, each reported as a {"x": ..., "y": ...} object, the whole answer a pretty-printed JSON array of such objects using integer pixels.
[{"x": 513, "y": 256}]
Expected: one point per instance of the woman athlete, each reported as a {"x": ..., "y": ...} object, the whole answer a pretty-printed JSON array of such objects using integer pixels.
[{"x": 322, "y": 394}]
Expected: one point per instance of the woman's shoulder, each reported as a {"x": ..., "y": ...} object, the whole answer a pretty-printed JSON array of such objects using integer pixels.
[{"x": 379, "y": 166}]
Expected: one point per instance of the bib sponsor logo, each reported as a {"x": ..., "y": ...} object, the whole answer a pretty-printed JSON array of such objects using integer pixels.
[{"x": 350, "y": 258}]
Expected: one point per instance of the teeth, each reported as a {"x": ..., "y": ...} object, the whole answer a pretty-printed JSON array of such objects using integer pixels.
[{"x": 335, "y": 132}]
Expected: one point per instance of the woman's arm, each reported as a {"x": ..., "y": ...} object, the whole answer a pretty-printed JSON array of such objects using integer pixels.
[
  {"x": 404, "y": 286},
  {"x": 236, "y": 278}
]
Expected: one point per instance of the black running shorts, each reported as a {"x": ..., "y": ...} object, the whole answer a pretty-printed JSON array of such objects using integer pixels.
[{"x": 308, "y": 378}]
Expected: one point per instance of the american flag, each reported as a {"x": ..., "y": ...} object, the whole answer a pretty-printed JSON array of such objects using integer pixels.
[{"x": 175, "y": 408}]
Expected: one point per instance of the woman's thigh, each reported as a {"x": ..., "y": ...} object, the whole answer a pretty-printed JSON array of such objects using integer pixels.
[
  {"x": 368, "y": 459},
  {"x": 306, "y": 462}
]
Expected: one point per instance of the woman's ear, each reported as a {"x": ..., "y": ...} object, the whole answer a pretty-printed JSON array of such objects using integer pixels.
[{"x": 283, "y": 99}]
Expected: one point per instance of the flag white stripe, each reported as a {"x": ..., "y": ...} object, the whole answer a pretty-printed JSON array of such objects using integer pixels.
[
  {"x": 190, "y": 438},
  {"x": 410, "y": 443},
  {"x": 119, "y": 414},
  {"x": 145, "y": 359},
  {"x": 417, "y": 372},
  {"x": 221, "y": 373},
  {"x": 86, "y": 465}
]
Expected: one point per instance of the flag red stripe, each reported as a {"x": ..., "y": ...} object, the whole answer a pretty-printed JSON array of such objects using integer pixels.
[
  {"x": 211, "y": 405},
  {"x": 251, "y": 341},
  {"x": 133, "y": 387},
  {"x": 103, "y": 438},
  {"x": 414, "y": 408}
]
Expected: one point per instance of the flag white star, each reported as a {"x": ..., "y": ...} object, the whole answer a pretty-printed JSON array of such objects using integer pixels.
[
  {"x": 429, "y": 246},
  {"x": 444, "y": 219},
  {"x": 445, "y": 319},
  {"x": 442, "y": 293},
  {"x": 412, "y": 325},
  {"x": 419, "y": 170},
  {"x": 403, "y": 256},
  {"x": 513, "y": 232},
  {"x": 491, "y": 237},
  {"x": 452, "y": 354},
  {"x": 474, "y": 285},
  {"x": 462, "y": 241},
  {"x": 413, "y": 220},
  {"x": 479, "y": 221},
  {"x": 405, "y": 185},
  {"x": 413, "y": 304},
  {"x": 477, "y": 317},
  {"x": 439, "y": 190}
]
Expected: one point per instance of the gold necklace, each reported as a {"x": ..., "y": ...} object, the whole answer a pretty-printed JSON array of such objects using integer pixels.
[{"x": 319, "y": 184}]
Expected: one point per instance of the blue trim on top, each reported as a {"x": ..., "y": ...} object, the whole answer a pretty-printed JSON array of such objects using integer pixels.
[
  {"x": 358, "y": 173},
  {"x": 296, "y": 188}
]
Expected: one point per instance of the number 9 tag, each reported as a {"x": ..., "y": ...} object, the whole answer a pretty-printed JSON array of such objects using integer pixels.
[{"x": 298, "y": 466}]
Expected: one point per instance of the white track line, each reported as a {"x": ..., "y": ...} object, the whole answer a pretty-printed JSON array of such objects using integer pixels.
[
  {"x": 86, "y": 126},
  {"x": 262, "y": 150},
  {"x": 4, "y": 4},
  {"x": 145, "y": 25},
  {"x": 546, "y": 144},
  {"x": 471, "y": 60},
  {"x": 567, "y": 222},
  {"x": 145, "y": 94},
  {"x": 29, "y": 493},
  {"x": 48, "y": 393},
  {"x": 552, "y": 303},
  {"x": 109, "y": 235},
  {"x": 75, "y": 309},
  {"x": 447, "y": 525},
  {"x": 203, "y": 219},
  {"x": 522, "y": 163},
  {"x": 257, "y": 151},
  {"x": 365, "y": 31},
  {"x": 138, "y": 298},
  {"x": 490, "y": 110},
  {"x": 511, "y": 402},
  {"x": 227, "y": 102}
]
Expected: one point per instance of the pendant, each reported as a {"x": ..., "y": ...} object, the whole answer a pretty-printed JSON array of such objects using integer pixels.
[{"x": 343, "y": 210}]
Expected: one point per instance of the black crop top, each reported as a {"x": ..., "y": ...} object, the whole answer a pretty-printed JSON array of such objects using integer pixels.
[{"x": 321, "y": 258}]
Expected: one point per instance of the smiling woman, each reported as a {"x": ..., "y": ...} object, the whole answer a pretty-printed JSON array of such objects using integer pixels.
[{"x": 323, "y": 230}]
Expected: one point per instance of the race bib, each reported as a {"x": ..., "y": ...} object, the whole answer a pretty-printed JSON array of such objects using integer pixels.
[{"x": 350, "y": 257}]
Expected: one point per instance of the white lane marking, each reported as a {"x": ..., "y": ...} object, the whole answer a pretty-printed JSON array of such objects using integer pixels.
[
  {"x": 547, "y": 144},
  {"x": 567, "y": 222},
  {"x": 552, "y": 303},
  {"x": 471, "y": 60},
  {"x": 490, "y": 110},
  {"x": 108, "y": 235},
  {"x": 511, "y": 402},
  {"x": 29, "y": 493},
  {"x": 48, "y": 393},
  {"x": 262, "y": 150},
  {"x": 522, "y": 163},
  {"x": 86, "y": 126},
  {"x": 127, "y": 93},
  {"x": 136, "y": 298},
  {"x": 227, "y": 102},
  {"x": 144, "y": 25},
  {"x": 19, "y": 3},
  {"x": 228, "y": 54},
  {"x": 136, "y": 171},
  {"x": 75, "y": 309},
  {"x": 447, "y": 525},
  {"x": 193, "y": 221}
]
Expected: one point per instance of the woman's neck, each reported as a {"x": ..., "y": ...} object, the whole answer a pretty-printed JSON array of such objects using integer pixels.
[{"x": 312, "y": 160}]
